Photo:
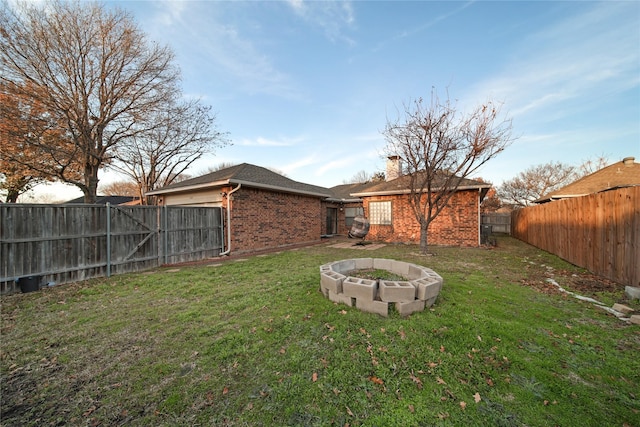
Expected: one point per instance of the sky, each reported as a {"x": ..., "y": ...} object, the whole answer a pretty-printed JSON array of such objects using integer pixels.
[{"x": 306, "y": 87}]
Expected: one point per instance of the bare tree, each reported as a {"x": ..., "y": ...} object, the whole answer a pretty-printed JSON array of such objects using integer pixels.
[
  {"x": 535, "y": 182},
  {"x": 91, "y": 69},
  {"x": 173, "y": 140},
  {"x": 440, "y": 147},
  {"x": 363, "y": 177},
  {"x": 120, "y": 188}
]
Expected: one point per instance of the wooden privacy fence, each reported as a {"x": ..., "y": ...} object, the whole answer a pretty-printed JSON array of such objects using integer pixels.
[
  {"x": 599, "y": 232},
  {"x": 499, "y": 222},
  {"x": 66, "y": 243}
]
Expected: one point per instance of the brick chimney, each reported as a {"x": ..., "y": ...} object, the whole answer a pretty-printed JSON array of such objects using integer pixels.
[
  {"x": 394, "y": 168},
  {"x": 627, "y": 161}
]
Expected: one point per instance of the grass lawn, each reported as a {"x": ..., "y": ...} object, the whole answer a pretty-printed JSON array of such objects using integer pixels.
[{"x": 253, "y": 342}]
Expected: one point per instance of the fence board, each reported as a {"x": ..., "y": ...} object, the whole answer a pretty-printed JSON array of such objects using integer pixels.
[
  {"x": 499, "y": 222},
  {"x": 599, "y": 232},
  {"x": 65, "y": 243}
]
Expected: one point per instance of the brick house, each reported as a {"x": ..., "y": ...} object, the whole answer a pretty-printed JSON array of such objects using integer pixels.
[
  {"x": 386, "y": 205},
  {"x": 265, "y": 210}
]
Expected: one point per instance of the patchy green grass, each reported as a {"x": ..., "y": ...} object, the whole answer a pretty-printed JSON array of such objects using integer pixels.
[{"x": 254, "y": 342}]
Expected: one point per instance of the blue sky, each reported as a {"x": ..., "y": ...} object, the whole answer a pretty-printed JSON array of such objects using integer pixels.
[{"x": 307, "y": 87}]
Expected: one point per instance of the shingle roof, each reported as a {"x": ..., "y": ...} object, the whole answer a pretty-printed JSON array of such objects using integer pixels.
[
  {"x": 103, "y": 200},
  {"x": 344, "y": 192},
  {"x": 402, "y": 185},
  {"x": 248, "y": 175},
  {"x": 620, "y": 174}
]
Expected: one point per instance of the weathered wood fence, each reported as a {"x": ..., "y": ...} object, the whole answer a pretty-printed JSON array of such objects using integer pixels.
[
  {"x": 599, "y": 232},
  {"x": 66, "y": 243},
  {"x": 499, "y": 222}
]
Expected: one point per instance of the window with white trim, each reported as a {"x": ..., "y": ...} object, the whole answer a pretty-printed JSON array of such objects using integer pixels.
[{"x": 380, "y": 213}]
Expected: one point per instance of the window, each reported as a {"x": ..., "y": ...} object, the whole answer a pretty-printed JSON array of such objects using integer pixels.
[
  {"x": 350, "y": 214},
  {"x": 380, "y": 213}
]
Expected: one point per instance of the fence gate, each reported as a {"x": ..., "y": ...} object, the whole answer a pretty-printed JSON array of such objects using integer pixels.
[{"x": 66, "y": 243}]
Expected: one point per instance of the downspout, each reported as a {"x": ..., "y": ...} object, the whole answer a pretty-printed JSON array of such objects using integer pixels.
[
  {"x": 228, "y": 251},
  {"x": 479, "y": 218}
]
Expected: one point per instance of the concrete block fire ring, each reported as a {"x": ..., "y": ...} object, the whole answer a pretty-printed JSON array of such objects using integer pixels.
[{"x": 375, "y": 296}]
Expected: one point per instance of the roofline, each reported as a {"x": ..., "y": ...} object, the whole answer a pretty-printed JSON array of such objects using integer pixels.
[
  {"x": 337, "y": 200},
  {"x": 188, "y": 188},
  {"x": 233, "y": 182},
  {"x": 572, "y": 196},
  {"x": 408, "y": 191}
]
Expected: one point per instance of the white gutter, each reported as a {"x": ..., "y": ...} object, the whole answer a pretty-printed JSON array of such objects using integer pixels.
[{"x": 228, "y": 251}]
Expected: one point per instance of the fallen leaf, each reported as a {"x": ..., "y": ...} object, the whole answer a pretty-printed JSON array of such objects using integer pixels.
[
  {"x": 432, "y": 364},
  {"x": 416, "y": 380},
  {"x": 412, "y": 409},
  {"x": 89, "y": 411},
  {"x": 479, "y": 338},
  {"x": 343, "y": 312},
  {"x": 441, "y": 349},
  {"x": 283, "y": 350},
  {"x": 489, "y": 382},
  {"x": 463, "y": 405},
  {"x": 440, "y": 380},
  {"x": 225, "y": 390},
  {"x": 349, "y": 411},
  {"x": 314, "y": 377},
  {"x": 376, "y": 380},
  {"x": 477, "y": 397},
  {"x": 403, "y": 335}
]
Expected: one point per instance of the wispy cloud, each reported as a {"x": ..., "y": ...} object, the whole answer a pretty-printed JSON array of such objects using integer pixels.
[
  {"x": 331, "y": 17},
  {"x": 222, "y": 46},
  {"x": 265, "y": 142},
  {"x": 418, "y": 29},
  {"x": 575, "y": 61}
]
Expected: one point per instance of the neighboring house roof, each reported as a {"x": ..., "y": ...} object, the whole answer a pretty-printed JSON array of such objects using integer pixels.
[
  {"x": 343, "y": 193},
  {"x": 402, "y": 185},
  {"x": 247, "y": 175},
  {"x": 620, "y": 174},
  {"x": 103, "y": 200}
]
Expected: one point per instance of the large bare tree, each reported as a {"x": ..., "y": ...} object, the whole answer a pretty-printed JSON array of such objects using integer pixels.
[
  {"x": 93, "y": 70},
  {"x": 173, "y": 140},
  {"x": 537, "y": 181},
  {"x": 440, "y": 147}
]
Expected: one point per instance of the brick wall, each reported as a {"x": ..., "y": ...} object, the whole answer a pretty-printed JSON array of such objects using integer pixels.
[
  {"x": 262, "y": 219},
  {"x": 457, "y": 224}
]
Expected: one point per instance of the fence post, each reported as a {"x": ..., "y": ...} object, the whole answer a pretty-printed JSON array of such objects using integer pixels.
[
  {"x": 108, "y": 207},
  {"x": 165, "y": 236}
]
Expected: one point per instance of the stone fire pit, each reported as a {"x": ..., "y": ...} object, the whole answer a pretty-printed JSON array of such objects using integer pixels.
[{"x": 374, "y": 296}]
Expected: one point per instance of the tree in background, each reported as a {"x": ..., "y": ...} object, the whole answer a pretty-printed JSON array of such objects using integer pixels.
[
  {"x": 537, "y": 181},
  {"x": 439, "y": 147},
  {"x": 94, "y": 73},
  {"x": 29, "y": 136},
  {"x": 173, "y": 140},
  {"x": 120, "y": 188},
  {"x": 362, "y": 177}
]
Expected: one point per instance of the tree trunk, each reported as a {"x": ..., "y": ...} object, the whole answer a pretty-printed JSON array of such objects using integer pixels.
[
  {"x": 91, "y": 179},
  {"x": 12, "y": 195},
  {"x": 424, "y": 226}
]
